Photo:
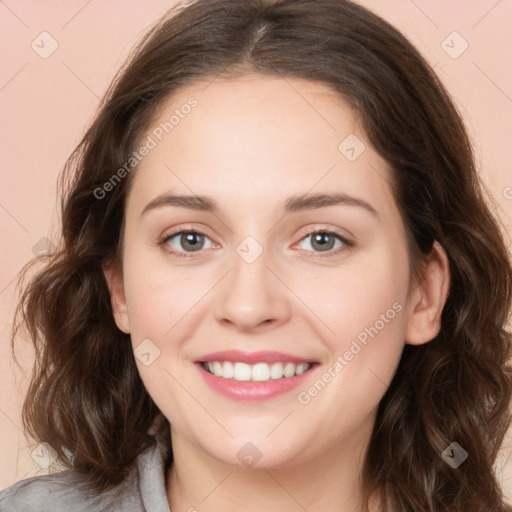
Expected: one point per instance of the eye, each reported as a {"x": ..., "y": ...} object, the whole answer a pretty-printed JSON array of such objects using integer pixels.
[
  {"x": 183, "y": 242},
  {"x": 186, "y": 242},
  {"x": 324, "y": 241}
]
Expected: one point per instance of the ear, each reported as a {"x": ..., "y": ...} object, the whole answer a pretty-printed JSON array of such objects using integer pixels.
[
  {"x": 428, "y": 297},
  {"x": 114, "y": 277}
]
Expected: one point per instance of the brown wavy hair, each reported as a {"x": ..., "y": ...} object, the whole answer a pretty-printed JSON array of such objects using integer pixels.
[{"x": 86, "y": 397}]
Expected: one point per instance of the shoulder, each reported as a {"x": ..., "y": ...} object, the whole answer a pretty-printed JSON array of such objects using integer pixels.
[
  {"x": 65, "y": 491},
  {"x": 143, "y": 488}
]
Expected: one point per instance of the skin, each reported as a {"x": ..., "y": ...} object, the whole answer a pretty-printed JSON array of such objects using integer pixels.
[{"x": 250, "y": 143}]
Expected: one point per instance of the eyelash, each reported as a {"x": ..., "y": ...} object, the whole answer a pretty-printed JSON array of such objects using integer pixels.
[{"x": 347, "y": 244}]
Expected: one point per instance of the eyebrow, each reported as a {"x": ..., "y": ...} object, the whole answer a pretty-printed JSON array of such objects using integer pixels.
[{"x": 292, "y": 204}]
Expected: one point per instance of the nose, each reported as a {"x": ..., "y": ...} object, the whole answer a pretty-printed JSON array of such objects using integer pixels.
[{"x": 252, "y": 296}]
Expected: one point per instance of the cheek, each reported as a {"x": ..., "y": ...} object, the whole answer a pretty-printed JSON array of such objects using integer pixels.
[
  {"x": 369, "y": 291},
  {"x": 160, "y": 301},
  {"x": 364, "y": 307},
  {"x": 158, "y": 293},
  {"x": 366, "y": 311}
]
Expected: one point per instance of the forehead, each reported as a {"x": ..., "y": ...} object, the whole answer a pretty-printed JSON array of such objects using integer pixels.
[{"x": 255, "y": 139}]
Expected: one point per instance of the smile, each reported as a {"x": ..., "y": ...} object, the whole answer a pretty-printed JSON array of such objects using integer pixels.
[{"x": 254, "y": 382}]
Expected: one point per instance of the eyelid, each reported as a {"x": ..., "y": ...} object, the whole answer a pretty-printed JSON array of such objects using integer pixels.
[{"x": 323, "y": 229}]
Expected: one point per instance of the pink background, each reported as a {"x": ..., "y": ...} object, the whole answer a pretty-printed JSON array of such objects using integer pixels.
[{"x": 46, "y": 104}]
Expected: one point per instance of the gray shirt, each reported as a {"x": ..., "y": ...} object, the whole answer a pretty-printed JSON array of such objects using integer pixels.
[{"x": 142, "y": 491}]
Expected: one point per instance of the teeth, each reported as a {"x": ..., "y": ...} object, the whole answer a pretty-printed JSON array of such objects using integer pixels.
[{"x": 259, "y": 372}]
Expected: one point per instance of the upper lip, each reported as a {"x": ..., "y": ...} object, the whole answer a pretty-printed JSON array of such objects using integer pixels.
[{"x": 264, "y": 356}]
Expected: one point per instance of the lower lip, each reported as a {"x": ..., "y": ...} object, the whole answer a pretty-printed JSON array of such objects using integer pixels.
[{"x": 253, "y": 390}]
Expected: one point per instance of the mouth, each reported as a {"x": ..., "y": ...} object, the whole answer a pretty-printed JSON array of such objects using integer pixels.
[
  {"x": 248, "y": 376},
  {"x": 247, "y": 382},
  {"x": 259, "y": 372}
]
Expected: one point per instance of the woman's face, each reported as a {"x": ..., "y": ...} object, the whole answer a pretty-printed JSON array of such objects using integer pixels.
[{"x": 264, "y": 162}]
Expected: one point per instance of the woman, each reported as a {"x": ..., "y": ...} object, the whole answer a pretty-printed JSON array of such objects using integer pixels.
[{"x": 279, "y": 285}]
